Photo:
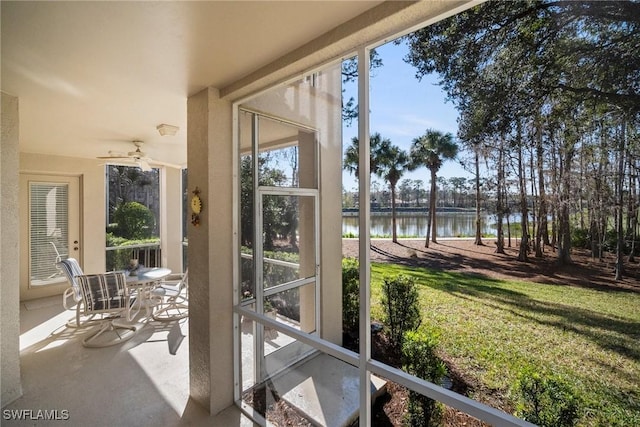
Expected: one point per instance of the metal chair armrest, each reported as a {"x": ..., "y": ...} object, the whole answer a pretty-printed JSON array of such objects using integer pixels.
[{"x": 69, "y": 292}]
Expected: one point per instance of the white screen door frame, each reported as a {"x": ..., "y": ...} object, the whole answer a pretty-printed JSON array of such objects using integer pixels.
[
  {"x": 271, "y": 353},
  {"x": 275, "y": 361}
]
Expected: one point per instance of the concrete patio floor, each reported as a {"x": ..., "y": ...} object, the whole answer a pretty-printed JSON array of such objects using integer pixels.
[
  {"x": 145, "y": 381},
  {"x": 321, "y": 389},
  {"x": 137, "y": 383}
]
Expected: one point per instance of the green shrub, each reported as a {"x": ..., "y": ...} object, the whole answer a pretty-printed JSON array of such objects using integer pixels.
[
  {"x": 350, "y": 295},
  {"x": 580, "y": 238},
  {"x": 611, "y": 242},
  {"x": 546, "y": 400},
  {"x": 419, "y": 358},
  {"x": 287, "y": 302},
  {"x": 134, "y": 221},
  {"x": 401, "y": 307},
  {"x": 118, "y": 259}
]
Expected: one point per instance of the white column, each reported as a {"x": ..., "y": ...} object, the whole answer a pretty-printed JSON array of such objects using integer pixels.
[
  {"x": 364, "y": 240},
  {"x": 171, "y": 218},
  {"x": 210, "y": 161},
  {"x": 9, "y": 252}
]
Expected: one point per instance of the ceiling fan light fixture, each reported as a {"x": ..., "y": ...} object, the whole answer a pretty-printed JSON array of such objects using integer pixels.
[{"x": 166, "y": 129}]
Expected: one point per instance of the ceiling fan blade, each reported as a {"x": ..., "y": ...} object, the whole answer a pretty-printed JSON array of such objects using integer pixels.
[
  {"x": 169, "y": 165},
  {"x": 143, "y": 164},
  {"x": 112, "y": 157},
  {"x": 136, "y": 158},
  {"x": 118, "y": 162}
]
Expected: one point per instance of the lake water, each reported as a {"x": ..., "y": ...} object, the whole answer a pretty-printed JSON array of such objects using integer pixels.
[{"x": 449, "y": 224}]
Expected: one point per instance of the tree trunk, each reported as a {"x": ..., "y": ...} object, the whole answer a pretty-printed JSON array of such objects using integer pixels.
[
  {"x": 564, "y": 241},
  {"x": 393, "y": 214},
  {"x": 534, "y": 199},
  {"x": 597, "y": 202},
  {"x": 433, "y": 205},
  {"x": 634, "y": 205},
  {"x": 581, "y": 190},
  {"x": 426, "y": 240},
  {"x": 542, "y": 235},
  {"x": 478, "y": 240},
  {"x": 524, "y": 210},
  {"x": 603, "y": 235},
  {"x": 507, "y": 213},
  {"x": 556, "y": 199},
  {"x": 620, "y": 203},
  {"x": 432, "y": 210},
  {"x": 500, "y": 201}
]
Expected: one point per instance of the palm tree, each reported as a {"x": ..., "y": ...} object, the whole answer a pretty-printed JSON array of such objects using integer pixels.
[
  {"x": 392, "y": 163},
  {"x": 431, "y": 150},
  {"x": 352, "y": 154},
  {"x": 387, "y": 161}
]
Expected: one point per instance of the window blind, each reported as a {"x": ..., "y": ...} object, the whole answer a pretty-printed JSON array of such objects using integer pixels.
[{"x": 48, "y": 229}]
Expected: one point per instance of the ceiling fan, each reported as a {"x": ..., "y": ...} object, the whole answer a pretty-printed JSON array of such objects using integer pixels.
[{"x": 137, "y": 157}]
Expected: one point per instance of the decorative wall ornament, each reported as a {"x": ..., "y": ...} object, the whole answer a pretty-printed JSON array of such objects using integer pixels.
[{"x": 196, "y": 207}]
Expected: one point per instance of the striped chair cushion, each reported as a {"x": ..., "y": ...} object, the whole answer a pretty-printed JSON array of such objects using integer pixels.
[
  {"x": 72, "y": 269},
  {"x": 103, "y": 292}
]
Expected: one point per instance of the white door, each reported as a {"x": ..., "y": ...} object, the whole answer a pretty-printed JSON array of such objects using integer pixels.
[{"x": 49, "y": 231}]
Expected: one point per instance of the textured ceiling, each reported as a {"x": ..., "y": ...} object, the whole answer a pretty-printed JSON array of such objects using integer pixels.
[{"x": 92, "y": 76}]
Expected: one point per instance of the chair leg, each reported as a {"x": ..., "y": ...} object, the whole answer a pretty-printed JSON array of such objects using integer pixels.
[
  {"x": 78, "y": 324},
  {"x": 110, "y": 326},
  {"x": 170, "y": 312},
  {"x": 131, "y": 303},
  {"x": 175, "y": 308}
]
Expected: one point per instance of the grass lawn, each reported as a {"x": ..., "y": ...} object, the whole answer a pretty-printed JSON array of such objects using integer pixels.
[{"x": 491, "y": 329}]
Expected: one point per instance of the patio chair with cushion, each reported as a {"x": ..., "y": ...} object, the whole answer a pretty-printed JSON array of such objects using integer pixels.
[
  {"x": 107, "y": 294},
  {"x": 84, "y": 317},
  {"x": 71, "y": 269},
  {"x": 175, "y": 298}
]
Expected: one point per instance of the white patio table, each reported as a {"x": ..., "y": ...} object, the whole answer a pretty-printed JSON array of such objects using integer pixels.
[{"x": 143, "y": 283}]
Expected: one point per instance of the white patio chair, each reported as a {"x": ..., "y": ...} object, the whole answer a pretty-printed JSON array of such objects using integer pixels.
[
  {"x": 107, "y": 294},
  {"x": 71, "y": 269},
  {"x": 84, "y": 317},
  {"x": 175, "y": 298},
  {"x": 59, "y": 257}
]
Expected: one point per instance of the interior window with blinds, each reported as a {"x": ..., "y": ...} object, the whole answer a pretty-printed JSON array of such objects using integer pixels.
[{"x": 48, "y": 230}]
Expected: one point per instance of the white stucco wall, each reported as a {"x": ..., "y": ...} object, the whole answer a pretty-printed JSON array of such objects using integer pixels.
[
  {"x": 9, "y": 253},
  {"x": 92, "y": 202}
]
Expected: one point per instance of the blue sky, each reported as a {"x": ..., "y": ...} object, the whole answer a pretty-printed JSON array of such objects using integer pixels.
[{"x": 403, "y": 108}]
